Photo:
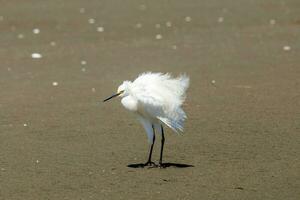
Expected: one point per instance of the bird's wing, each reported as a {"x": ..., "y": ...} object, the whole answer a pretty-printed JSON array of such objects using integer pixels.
[{"x": 155, "y": 101}]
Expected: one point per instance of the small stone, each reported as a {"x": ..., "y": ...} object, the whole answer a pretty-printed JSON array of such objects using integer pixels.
[
  {"x": 220, "y": 19},
  {"x": 100, "y": 29},
  {"x": 91, "y": 21},
  {"x": 93, "y": 89},
  {"x": 53, "y": 43},
  {"x": 36, "y": 55},
  {"x": 20, "y": 36},
  {"x": 158, "y": 36},
  {"x": 188, "y": 19},
  {"x": 55, "y": 83},
  {"x": 36, "y": 31},
  {"x": 25, "y": 125},
  {"x": 286, "y": 48},
  {"x": 213, "y": 81},
  {"x": 168, "y": 24},
  {"x": 272, "y": 22},
  {"x": 83, "y": 62},
  {"x": 82, "y": 10}
]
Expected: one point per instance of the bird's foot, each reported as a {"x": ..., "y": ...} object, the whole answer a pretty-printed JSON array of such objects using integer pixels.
[
  {"x": 161, "y": 165},
  {"x": 150, "y": 164}
]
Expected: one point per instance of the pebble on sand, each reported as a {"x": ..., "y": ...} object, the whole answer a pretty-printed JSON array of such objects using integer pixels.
[
  {"x": 220, "y": 19},
  {"x": 20, "y": 36},
  {"x": 91, "y": 21},
  {"x": 36, "y": 31},
  {"x": 83, "y": 62},
  {"x": 100, "y": 29},
  {"x": 286, "y": 48},
  {"x": 53, "y": 43},
  {"x": 168, "y": 24},
  {"x": 188, "y": 19},
  {"x": 158, "y": 36},
  {"x": 55, "y": 83},
  {"x": 82, "y": 10},
  {"x": 36, "y": 55},
  {"x": 25, "y": 125},
  {"x": 272, "y": 21}
]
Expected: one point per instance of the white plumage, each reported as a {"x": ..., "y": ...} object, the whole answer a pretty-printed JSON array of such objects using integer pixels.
[{"x": 156, "y": 99}]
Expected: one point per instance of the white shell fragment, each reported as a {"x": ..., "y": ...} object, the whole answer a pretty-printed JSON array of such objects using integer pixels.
[
  {"x": 82, "y": 10},
  {"x": 20, "y": 36},
  {"x": 286, "y": 48},
  {"x": 36, "y": 31},
  {"x": 55, "y": 83},
  {"x": 168, "y": 24},
  {"x": 91, "y": 21},
  {"x": 36, "y": 55},
  {"x": 158, "y": 36},
  {"x": 188, "y": 19},
  {"x": 220, "y": 19},
  {"x": 272, "y": 21},
  {"x": 53, "y": 43},
  {"x": 100, "y": 29}
]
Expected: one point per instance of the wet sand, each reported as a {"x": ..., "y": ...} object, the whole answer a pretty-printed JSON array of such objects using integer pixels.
[{"x": 59, "y": 141}]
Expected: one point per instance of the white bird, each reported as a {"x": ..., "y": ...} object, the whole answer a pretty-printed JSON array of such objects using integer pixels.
[{"x": 156, "y": 100}]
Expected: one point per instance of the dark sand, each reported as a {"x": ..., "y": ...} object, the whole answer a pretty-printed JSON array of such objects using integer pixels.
[{"x": 242, "y": 135}]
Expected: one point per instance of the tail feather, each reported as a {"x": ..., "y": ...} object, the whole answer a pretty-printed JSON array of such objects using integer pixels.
[{"x": 173, "y": 124}]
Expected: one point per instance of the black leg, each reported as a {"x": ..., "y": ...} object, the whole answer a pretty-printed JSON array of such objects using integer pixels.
[
  {"x": 162, "y": 146},
  {"x": 149, "y": 162}
]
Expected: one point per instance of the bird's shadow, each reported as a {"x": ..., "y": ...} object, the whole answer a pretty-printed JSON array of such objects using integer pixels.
[{"x": 164, "y": 165}]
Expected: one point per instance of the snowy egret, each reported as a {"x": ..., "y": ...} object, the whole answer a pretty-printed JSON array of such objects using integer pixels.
[{"x": 156, "y": 100}]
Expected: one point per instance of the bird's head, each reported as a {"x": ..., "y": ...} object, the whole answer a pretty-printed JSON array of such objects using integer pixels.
[{"x": 123, "y": 91}]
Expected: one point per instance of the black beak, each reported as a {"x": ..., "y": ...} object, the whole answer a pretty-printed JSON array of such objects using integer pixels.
[{"x": 114, "y": 95}]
